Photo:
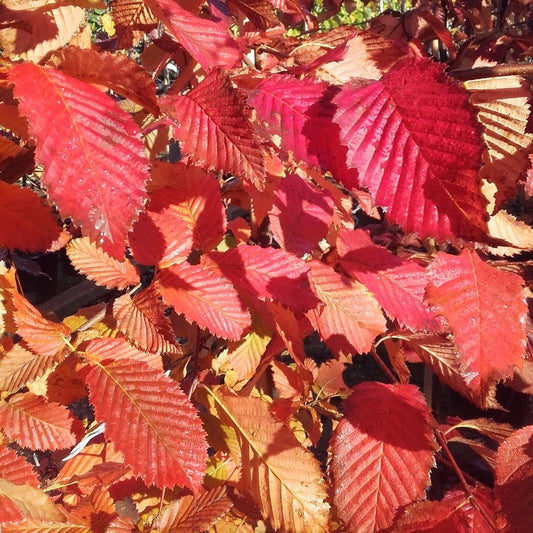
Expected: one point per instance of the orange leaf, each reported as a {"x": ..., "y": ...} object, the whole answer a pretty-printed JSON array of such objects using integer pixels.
[
  {"x": 345, "y": 326},
  {"x": 382, "y": 453},
  {"x": 204, "y": 298},
  {"x": 16, "y": 469},
  {"x": 19, "y": 366},
  {"x": 89, "y": 259},
  {"x": 18, "y": 230},
  {"x": 151, "y": 421},
  {"x": 191, "y": 513},
  {"x": 141, "y": 318},
  {"x": 116, "y": 72},
  {"x": 283, "y": 478},
  {"x": 42, "y": 336},
  {"x": 35, "y": 423}
]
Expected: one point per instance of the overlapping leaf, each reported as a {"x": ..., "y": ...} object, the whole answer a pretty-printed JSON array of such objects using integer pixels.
[
  {"x": 205, "y": 298},
  {"x": 86, "y": 257},
  {"x": 207, "y": 41},
  {"x": 191, "y": 513},
  {"x": 44, "y": 337},
  {"x": 214, "y": 130},
  {"x": 382, "y": 453},
  {"x": 414, "y": 138},
  {"x": 283, "y": 478},
  {"x": 301, "y": 215},
  {"x": 151, "y": 421},
  {"x": 18, "y": 230},
  {"x": 398, "y": 286},
  {"x": 350, "y": 318},
  {"x": 301, "y": 113},
  {"x": 266, "y": 273},
  {"x": 40, "y": 33},
  {"x": 116, "y": 72},
  {"x": 141, "y": 318},
  {"x": 514, "y": 476},
  {"x": 85, "y": 142},
  {"x": 32, "y": 503},
  {"x": 486, "y": 311},
  {"x": 19, "y": 366},
  {"x": 16, "y": 469},
  {"x": 503, "y": 109},
  {"x": 455, "y": 512},
  {"x": 35, "y": 423}
]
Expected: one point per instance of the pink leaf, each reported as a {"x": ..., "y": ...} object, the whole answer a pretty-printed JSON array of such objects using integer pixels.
[
  {"x": 301, "y": 215},
  {"x": 415, "y": 140}
]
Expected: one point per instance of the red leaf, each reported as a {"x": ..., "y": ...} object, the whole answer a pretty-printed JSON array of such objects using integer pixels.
[
  {"x": 300, "y": 112},
  {"x": 86, "y": 257},
  {"x": 267, "y": 273},
  {"x": 42, "y": 336},
  {"x": 161, "y": 236},
  {"x": 205, "y": 298},
  {"x": 151, "y": 421},
  {"x": 486, "y": 311},
  {"x": 398, "y": 286},
  {"x": 18, "y": 230},
  {"x": 351, "y": 318},
  {"x": 208, "y": 42},
  {"x": 214, "y": 130},
  {"x": 415, "y": 140},
  {"x": 86, "y": 143},
  {"x": 16, "y": 469},
  {"x": 514, "y": 479},
  {"x": 301, "y": 215},
  {"x": 35, "y": 423},
  {"x": 455, "y": 512},
  {"x": 382, "y": 453}
]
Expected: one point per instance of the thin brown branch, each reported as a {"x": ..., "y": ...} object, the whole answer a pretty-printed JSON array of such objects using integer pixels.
[
  {"x": 519, "y": 69},
  {"x": 383, "y": 366}
]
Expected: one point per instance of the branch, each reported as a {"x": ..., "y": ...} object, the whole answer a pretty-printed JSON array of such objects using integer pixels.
[{"x": 520, "y": 69}]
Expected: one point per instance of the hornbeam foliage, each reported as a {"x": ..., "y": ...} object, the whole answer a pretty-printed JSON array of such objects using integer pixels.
[{"x": 244, "y": 186}]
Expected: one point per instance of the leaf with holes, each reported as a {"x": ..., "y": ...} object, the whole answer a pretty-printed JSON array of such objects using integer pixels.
[
  {"x": 415, "y": 140},
  {"x": 486, "y": 311},
  {"x": 85, "y": 142},
  {"x": 150, "y": 420},
  {"x": 382, "y": 453},
  {"x": 35, "y": 423},
  {"x": 215, "y": 131}
]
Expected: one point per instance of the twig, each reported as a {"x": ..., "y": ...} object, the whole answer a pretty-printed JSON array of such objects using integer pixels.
[
  {"x": 383, "y": 366},
  {"x": 520, "y": 69}
]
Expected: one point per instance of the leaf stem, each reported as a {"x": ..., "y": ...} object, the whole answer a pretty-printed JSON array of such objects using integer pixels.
[{"x": 383, "y": 366}]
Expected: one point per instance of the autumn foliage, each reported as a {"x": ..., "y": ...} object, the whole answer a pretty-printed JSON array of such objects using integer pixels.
[{"x": 366, "y": 189}]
